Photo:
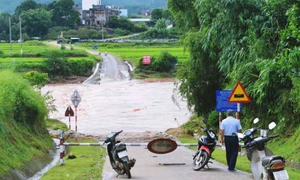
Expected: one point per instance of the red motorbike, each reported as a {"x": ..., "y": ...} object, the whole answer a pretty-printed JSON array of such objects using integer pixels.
[{"x": 206, "y": 146}]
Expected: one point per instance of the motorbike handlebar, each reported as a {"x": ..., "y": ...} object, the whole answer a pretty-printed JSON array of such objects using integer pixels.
[{"x": 263, "y": 140}]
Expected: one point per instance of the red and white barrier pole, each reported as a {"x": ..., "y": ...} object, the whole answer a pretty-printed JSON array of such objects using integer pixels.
[
  {"x": 76, "y": 123},
  {"x": 62, "y": 149}
]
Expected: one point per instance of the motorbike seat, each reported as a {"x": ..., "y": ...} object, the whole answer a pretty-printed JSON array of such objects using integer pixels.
[{"x": 268, "y": 159}]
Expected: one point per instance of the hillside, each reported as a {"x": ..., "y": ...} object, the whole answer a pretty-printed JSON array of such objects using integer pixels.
[
  {"x": 9, "y": 6},
  {"x": 25, "y": 141}
]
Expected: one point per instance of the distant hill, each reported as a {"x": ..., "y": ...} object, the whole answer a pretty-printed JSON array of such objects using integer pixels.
[{"x": 10, "y": 5}]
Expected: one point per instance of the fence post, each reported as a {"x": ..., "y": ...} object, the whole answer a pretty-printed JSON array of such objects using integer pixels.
[{"x": 62, "y": 148}]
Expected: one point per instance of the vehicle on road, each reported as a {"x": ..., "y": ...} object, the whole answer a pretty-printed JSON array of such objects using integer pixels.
[
  {"x": 263, "y": 162},
  {"x": 206, "y": 146},
  {"x": 118, "y": 155}
]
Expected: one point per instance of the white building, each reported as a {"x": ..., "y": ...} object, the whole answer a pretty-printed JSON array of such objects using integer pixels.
[
  {"x": 124, "y": 12},
  {"x": 87, "y": 4}
]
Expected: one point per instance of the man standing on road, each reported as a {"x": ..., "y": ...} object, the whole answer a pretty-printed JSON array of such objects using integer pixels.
[{"x": 230, "y": 126}]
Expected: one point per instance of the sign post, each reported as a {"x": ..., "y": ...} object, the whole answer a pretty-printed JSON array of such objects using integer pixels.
[
  {"x": 75, "y": 98},
  {"x": 238, "y": 95},
  {"x": 69, "y": 112},
  {"x": 146, "y": 60}
]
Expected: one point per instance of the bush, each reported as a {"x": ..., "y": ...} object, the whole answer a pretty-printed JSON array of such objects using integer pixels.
[
  {"x": 164, "y": 62},
  {"x": 36, "y": 79},
  {"x": 57, "y": 67},
  {"x": 20, "y": 102}
]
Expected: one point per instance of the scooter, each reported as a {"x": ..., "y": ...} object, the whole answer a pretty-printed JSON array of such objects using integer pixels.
[
  {"x": 263, "y": 162},
  {"x": 206, "y": 146},
  {"x": 118, "y": 155}
]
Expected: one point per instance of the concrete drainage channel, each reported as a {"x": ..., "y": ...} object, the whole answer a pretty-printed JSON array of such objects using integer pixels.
[
  {"x": 34, "y": 169},
  {"x": 47, "y": 168}
]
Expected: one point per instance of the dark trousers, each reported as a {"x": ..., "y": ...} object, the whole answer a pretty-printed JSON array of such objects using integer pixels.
[{"x": 231, "y": 145}]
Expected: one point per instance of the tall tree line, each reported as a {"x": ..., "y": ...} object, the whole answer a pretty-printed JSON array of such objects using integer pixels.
[
  {"x": 255, "y": 42},
  {"x": 38, "y": 18}
]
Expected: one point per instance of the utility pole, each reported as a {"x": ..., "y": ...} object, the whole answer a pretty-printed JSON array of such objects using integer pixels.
[
  {"x": 20, "y": 35},
  {"x": 9, "y": 22},
  {"x": 102, "y": 28}
]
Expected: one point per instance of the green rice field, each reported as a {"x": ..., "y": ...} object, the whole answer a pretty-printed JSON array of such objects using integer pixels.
[{"x": 134, "y": 53}]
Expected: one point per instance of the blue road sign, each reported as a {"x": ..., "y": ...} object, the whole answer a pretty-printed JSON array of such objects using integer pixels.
[{"x": 222, "y": 101}]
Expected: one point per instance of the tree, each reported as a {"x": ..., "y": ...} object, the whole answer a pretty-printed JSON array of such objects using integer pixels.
[
  {"x": 25, "y": 6},
  {"x": 64, "y": 14},
  {"x": 161, "y": 24},
  {"x": 4, "y": 29},
  {"x": 156, "y": 14},
  {"x": 184, "y": 13},
  {"x": 36, "y": 22},
  {"x": 253, "y": 42}
]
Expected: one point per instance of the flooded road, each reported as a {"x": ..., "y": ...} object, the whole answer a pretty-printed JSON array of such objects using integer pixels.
[{"x": 131, "y": 105}]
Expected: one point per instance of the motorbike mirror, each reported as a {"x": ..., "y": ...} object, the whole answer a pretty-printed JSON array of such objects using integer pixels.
[
  {"x": 255, "y": 120},
  {"x": 205, "y": 121},
  {"x": 240, "y": 135},
  {"x": 272, "y": 125}
]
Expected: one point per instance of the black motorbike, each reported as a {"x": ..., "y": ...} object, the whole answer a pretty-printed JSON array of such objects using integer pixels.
[
  {"x": 118, "y": 156},
  {"x": 263, "y": 162},
  {"x": 206, "y": 146}
]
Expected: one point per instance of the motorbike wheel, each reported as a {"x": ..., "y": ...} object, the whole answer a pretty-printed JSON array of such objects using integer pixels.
[
  {"x": 200, "y": 161},
  {"x": 127, "y": 169},
  {"x": 116, "y": 168}
]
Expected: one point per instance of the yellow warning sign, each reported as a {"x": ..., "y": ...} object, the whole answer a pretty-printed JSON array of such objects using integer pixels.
[{"x": 239, "y": 94}]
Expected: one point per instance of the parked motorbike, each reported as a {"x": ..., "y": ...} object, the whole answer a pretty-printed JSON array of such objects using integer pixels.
[
  {"x": 263, "y": 162},
  {"x": 118, "y": 155},
  {"x": 206, "y": 146}
]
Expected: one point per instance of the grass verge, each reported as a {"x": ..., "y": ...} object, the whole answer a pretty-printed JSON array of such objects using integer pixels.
[{"x": 88, "y": 163}]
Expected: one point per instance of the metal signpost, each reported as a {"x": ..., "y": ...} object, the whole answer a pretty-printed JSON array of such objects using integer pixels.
[
  {"x": 75, "y": 98},
  {"x": 222, "y": 103}
]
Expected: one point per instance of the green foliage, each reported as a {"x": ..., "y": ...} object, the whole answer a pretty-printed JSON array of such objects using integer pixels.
[
  {"x": 36, "y": 22},
  {"x": 164, "y": 62},
  {"x": 22, "y": 103},
  {"x": 62, "y": 47},
  {"x": 25, "y": 6},
  {"x": 156, "y": 14},
  {"x": 57, "y": 67},
  {"x": 23, "y": 132},
  {"x": 121, "y": 32},
  {"x": 161, "y": 24},
  {"x": 154, "y": 33},
  {"x": 56, "y": 125},
  {"x": 36, "y": 79},
  {"x": 63, "y": 13}
]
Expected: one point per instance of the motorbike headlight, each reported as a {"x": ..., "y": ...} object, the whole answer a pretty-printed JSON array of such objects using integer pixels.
[{"x": 212, "y": 135}]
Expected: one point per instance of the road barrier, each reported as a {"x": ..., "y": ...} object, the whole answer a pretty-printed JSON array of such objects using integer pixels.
[{"x": 63, "y": 145}]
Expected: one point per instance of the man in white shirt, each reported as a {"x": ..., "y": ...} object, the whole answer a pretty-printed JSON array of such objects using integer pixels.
[{"x": 230, "y": 126}]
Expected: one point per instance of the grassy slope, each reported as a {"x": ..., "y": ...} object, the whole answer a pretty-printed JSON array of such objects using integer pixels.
[{"x": 22, "y": 131}]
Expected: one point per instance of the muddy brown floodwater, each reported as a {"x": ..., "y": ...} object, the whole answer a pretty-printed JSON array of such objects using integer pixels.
[{"x": 128, "y": 105}]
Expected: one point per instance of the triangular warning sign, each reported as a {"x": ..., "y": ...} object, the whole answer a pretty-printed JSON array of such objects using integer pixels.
[{"x": 239, "y": 94}]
